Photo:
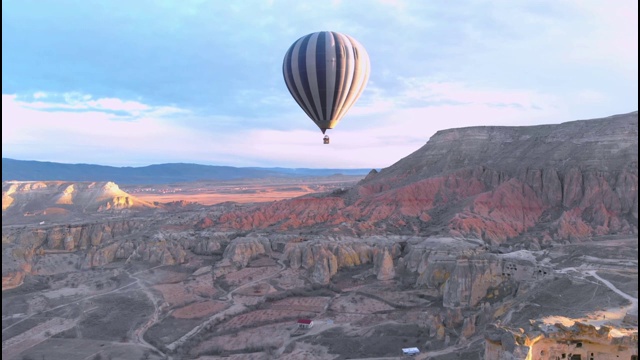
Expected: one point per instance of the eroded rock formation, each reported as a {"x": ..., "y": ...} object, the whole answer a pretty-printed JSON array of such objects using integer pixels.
[{"x": 579, "y": 341}]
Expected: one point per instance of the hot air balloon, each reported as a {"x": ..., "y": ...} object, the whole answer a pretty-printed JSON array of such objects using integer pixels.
[{"x": 325, "y": 73}]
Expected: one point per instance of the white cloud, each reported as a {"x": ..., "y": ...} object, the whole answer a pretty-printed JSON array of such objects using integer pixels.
[
  {"x": 424, "y": 95},
  {"x": 365, "y": 143},
  {"x": 84, "y": 102},
  {"x": 92, "y": 136},
  {"x": 116, "y": 105},
  {"x": 375, "y": 133},
  {"x": 89, "y": 136},
  {"x": 434, "y": 66}
]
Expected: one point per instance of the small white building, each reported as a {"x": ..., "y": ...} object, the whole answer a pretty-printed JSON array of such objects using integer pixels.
[{"x": 411, "y": 351}]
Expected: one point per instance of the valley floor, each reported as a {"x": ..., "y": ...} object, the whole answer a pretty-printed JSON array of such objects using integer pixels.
[{"x": 135, "y": 311}]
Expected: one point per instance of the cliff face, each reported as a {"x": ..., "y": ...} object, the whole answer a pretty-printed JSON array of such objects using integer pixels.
[
  {"x": 597, "y": 144},
  {"x": 539, "y": 184}
]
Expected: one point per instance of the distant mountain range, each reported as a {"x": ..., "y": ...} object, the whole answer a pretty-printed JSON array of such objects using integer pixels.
[{"x": 28, "y": 170}]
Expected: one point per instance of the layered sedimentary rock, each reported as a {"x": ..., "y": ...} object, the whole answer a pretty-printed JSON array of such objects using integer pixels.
[{"x": 540, "y": 184}]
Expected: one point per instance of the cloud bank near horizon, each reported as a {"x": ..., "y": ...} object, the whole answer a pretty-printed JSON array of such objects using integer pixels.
[{"x": 131, "y": 84}]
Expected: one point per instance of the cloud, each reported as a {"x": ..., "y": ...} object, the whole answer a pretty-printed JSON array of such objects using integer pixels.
[
  {"x": 80, "y": 102},
  {"x": 422, "y": 94},
  {"x": 376, "y": 133},
  {"x": 90, "y": 135},
  {"x": 201, "y": 81},
  {"x": 360, "y": 142}
]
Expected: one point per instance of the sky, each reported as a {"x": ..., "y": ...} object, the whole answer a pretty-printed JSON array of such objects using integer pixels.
[{"x": 135, "y": 83}]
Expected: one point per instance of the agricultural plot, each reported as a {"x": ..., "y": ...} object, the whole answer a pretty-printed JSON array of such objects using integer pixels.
[
  {"x": 199, "y": 310},
  {"x": 262, "y": 337},
  {"x": 182, "y": 293},
  {"x": 258, "y": 317},
  {"x": 248, "y": 274},
  {"x": 308, "y": 304}
]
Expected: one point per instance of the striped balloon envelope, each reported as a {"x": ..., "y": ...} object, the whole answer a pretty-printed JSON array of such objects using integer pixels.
[{"x": 325, "y": 73}]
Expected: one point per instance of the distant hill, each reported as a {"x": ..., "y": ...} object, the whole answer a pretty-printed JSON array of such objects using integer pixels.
[
  {"x": 61, "y": 198},
  {"x": 27, "y": 170}
]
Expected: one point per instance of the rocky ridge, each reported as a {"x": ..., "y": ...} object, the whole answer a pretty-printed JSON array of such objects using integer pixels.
[{"x": 536, "y": 185}]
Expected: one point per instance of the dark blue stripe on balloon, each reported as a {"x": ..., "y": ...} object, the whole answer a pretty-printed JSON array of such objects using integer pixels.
[
  {"x": 321, "y": 66},
  {"x": 291, "y": 86},
  {"x": 304, "y": 77}
]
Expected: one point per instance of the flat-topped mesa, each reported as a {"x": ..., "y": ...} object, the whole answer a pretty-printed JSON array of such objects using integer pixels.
[
  {"x": 532, "y": 184},
  {"x": 609, "y": 144}
]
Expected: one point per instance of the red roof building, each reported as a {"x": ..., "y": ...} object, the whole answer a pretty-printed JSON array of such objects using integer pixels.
[{"x": 305, "y": 323}]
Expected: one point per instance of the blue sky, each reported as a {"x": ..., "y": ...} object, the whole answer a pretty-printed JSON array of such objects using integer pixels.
[{"x": 133, "y": 83}]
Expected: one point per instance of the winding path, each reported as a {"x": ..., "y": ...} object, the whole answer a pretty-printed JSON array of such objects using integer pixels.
[
  {"x": 138, "y": 334},
  {"x": 634, "y": 301},
  {"x": 67, "y": 304},
  {"x": 632, "y": 308}
]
